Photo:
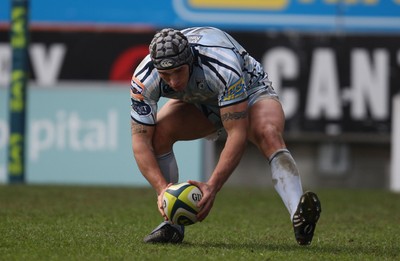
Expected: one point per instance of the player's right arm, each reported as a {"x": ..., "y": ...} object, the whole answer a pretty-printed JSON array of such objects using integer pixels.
[
  {"x": 144, "y": 98},
  {"x": 142, "y": 136}
]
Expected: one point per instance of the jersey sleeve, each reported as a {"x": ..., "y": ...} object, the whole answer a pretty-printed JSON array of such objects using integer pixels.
[
  {"x": 232, "y": 85},
  {"x": 223, "y": 69},
  {"x": 143, "y": 112},
  {"x": 144, "y": 94}
]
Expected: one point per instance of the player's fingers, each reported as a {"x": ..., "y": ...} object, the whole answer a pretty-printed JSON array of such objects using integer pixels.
[
  {"x": 195, "y": 183},
  {"x": 201, "y": 203},
  {"x": 160, "y": 205},
  {"x": 161, "y": 210},
  {"x": 160, "y": 202},
  {"x": 204, "y": 211},
  {"x": 204, "y": 200},
  {"x": 202, "y": 188},
  {"x": 206, "y": 205}
]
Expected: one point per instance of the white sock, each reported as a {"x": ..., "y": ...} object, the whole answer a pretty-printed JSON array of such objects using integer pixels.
[
  {"x": 169, "y": 167},
  {"x": 286, "y": 179}
]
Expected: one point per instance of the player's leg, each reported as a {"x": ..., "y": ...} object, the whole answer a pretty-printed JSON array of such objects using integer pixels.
[
  {"x": 266, "y": 128},
  {"x": 176, "y": 121}
]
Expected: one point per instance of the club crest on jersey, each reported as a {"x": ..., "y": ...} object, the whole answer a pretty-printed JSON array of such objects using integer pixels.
[
  {"x": 166, "y": 63},
  {"x": 166, "y": 89},
  {"x": 235, "y": 90},
  {"x": 200, "y": 85},
  {"x": 141, "y": 108}
]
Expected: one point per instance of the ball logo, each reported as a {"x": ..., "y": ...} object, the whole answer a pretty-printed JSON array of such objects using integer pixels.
[
  {"x": 166, "y": 63},
  {"x": 196, "y": 197}
]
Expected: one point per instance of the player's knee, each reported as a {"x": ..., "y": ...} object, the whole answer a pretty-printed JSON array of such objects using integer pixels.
[
  {"x": 162, "y": 141},
  {"x": 269, "y": 135}
]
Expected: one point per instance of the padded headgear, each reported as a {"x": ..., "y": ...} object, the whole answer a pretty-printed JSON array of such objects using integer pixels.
[{"x": 169, "y": 49}]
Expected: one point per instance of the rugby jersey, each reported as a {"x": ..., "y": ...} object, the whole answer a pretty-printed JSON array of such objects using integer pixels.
[{"x": 222, "y": 74}]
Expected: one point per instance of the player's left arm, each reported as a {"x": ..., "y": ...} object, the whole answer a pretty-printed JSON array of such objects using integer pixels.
[{"x": 235, "y": 121}]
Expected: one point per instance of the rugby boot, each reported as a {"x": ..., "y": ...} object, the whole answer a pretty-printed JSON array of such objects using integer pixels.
[
  {"x": 306, "y": 217},
  {"x": 166, "y": 233}
]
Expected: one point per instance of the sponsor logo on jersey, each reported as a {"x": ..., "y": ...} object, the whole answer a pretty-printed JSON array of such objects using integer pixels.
[
  {"x": 194, "y": 38},
  {"x": 235, "y": 90},
  {"x": 141, "y": 108}
]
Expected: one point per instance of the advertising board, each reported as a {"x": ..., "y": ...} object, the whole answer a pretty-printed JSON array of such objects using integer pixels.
[
  {"x": 255, "y": 15},
  {"x": 81, "y": 135}
]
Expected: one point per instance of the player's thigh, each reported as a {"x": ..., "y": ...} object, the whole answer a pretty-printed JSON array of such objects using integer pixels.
[
  {"x": 178, "y": 120},
  {"x": 267, "y": 122}
]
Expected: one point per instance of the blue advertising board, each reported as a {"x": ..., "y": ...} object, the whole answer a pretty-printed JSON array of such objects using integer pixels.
[
  {"x": 322, "y": 15},
  {"x": 79, "y": 135}
]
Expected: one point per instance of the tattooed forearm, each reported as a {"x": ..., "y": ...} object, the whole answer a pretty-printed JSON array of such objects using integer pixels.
[
  {"x": 137, "y": 128},
  {"x": 234, "y": 116}
]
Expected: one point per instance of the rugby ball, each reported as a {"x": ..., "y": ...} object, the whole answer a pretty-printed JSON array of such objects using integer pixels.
[{"x": 180, "y": 203}]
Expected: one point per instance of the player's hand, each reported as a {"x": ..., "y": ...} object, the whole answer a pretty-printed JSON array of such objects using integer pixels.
[
  {"x": 207, "y": 201},
  {"x": 160, "y": 202}
]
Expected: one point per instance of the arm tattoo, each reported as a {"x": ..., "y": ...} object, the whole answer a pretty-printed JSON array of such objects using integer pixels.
[
  {"x": 137, "y": 128},
  {"x": 234, "y": 116}
]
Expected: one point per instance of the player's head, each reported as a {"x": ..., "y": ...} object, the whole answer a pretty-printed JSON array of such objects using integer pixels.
[{"x": 170, "y": 49}]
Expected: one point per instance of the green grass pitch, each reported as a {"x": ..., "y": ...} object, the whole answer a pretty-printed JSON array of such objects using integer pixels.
[{"x": 109, "y": 223}]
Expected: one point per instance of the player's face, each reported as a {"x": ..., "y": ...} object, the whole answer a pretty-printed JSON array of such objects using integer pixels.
[{"x": 177, "y": 78}]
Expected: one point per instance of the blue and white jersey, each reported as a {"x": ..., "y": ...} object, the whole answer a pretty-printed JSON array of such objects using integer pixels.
[{"x": 223, "y": 73}]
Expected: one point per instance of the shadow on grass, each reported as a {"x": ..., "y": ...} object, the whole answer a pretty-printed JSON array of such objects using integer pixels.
[{"x": 346, "y": 250}]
